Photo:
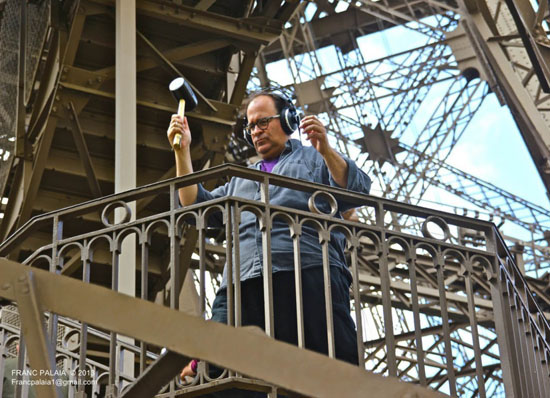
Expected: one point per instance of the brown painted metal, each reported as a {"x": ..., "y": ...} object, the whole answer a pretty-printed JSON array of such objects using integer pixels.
[
  {"x": 462, "y": 297},
  {"x": 41, "y": 353},
  {"x": 250, "y": 353}
]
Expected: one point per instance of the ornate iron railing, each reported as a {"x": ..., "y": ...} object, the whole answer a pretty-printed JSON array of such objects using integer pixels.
[{"x": 475, "y": 328}]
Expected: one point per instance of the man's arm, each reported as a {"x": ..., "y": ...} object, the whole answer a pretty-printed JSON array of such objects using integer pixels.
[
  {"x": 317, "y": 134},
  {"x": 188, "y": 194},
  {"x": 337, "y": 166}
]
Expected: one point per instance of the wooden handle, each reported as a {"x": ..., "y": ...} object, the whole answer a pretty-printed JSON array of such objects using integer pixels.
[{"x": 176, "y": 144}]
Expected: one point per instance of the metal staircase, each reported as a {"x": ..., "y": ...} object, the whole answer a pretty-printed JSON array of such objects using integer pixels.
[
  {"x": 440, "y": 301},
  {"x": 449, "y": 316}
]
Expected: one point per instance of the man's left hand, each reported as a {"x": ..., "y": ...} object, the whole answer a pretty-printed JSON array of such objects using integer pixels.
[{"x": 316, "y": 133}]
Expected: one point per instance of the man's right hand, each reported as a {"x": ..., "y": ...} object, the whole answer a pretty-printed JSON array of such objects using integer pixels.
[{"x": 179, "y": 126}]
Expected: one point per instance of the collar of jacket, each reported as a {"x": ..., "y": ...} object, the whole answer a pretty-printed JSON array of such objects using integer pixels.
[{"x": 290, "y": 146}]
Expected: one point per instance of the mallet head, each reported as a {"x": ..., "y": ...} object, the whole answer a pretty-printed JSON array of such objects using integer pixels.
[{"x": 181, "y": 90}]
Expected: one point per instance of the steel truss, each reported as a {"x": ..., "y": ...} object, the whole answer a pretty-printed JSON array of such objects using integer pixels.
[{"x": 362, "y": 100}]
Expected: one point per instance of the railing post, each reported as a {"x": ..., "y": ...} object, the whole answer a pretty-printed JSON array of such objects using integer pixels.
[
  {"x": 295, "y": 233},
  {"x": 416, "y": 317},
  {"x": 357, "y": 298},
  {"x": 386, "y": 295},
  {"x": 55, "y": 266},
  {"x": 474, "y": 328},
  {"x": 501, "y": 311},
  {"x": 236, "y": 220},
  {"x": 445, "y": 323},
  {"x": 324, "y": 238},
  {"x": 266, "y": 254},
  {"x": 508, "y": 360}
]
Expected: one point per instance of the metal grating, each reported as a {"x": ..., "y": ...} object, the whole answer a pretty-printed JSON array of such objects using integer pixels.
[
  {"x": 10, "y": 316},
  {"x": 9, "y": 50},
  {"x": 38, "y": 21}
]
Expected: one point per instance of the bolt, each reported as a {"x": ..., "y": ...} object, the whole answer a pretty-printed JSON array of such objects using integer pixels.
[
  {"x": 25, "y": 289},
  {"x": 6, "y": 286},
  {"x": 22, "y": 278}
]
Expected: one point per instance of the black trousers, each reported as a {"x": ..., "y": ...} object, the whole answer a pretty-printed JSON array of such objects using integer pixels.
[{"x": 284, "y": 307}]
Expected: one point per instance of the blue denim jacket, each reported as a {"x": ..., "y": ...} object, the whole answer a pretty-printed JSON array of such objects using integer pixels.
[{"x": 296, "y": 161}]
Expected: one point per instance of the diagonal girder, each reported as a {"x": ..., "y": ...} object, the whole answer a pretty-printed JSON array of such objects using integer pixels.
[{"x": 220, "y": 344}]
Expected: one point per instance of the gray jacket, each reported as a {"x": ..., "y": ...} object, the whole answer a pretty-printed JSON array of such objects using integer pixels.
[{"x": 296, "y": 161}]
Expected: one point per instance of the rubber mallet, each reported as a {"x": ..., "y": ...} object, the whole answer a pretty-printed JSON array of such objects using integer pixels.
[{"x": 183, "y": 93}]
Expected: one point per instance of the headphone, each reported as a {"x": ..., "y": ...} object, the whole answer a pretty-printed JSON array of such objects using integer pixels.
[{"x": 288, "y": 116}]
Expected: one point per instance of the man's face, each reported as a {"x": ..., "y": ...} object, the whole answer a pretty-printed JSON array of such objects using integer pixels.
[{"x": 270, "y": 142}]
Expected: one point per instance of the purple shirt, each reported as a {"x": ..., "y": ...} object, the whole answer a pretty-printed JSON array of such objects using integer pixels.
[{"x": 267, "y": 165}]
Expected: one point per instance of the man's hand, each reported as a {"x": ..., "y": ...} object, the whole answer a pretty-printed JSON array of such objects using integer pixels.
[
  {"x": 179, "y": 126},
  {"x": 315, "y": 132},
  {"x": 182, "y": 155}
]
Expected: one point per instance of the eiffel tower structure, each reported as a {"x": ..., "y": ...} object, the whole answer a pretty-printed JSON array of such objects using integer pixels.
[{"x": 444, "y": 302}]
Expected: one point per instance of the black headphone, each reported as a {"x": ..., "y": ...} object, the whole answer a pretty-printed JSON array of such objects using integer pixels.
[{"x": 288, "y": 116}]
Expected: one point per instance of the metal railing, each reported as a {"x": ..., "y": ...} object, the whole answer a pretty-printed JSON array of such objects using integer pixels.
[{"x": 429, "y": 309}]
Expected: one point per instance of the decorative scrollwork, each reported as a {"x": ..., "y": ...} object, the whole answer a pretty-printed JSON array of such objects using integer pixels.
[
  {"x": 441, "y": 223},
  {"x": 112, "y": 207},
  {"x": 331, "y": 201}
]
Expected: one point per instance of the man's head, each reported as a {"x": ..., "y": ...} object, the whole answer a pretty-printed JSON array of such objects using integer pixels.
[{"x": 267, "y": 134}]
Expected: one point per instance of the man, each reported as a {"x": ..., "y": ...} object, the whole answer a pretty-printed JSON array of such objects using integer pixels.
[{"x": 271, "y": 119}]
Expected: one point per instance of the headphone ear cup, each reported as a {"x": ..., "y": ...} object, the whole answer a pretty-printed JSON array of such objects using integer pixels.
[
  {"x": 294, "y": 119},
  {"x": 247, "y": 137},
  {"x": 289, "y": 120}
]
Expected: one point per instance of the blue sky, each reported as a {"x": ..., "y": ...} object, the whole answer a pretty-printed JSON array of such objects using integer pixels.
[{"x": 492, "y": 148}]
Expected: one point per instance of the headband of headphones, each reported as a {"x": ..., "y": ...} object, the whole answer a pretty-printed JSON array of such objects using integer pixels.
[{"x": 288, "y": 116}]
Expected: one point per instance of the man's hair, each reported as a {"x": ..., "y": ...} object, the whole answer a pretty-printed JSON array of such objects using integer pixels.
[{"x": 279, "y": 99}]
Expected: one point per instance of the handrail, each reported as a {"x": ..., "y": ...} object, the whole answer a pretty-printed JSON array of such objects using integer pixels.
[{"x": 229, "y": 170}]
